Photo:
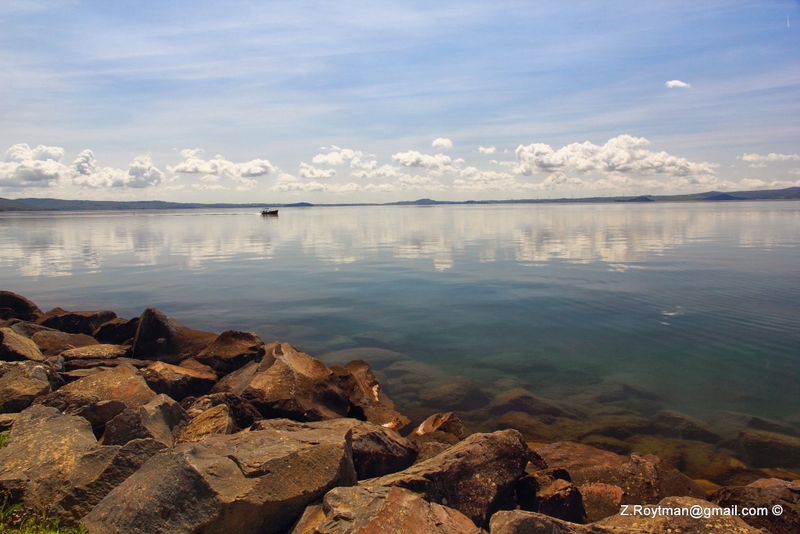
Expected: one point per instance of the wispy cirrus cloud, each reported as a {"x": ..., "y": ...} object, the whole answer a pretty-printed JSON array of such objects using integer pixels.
[{"x": 761, "y": 160}]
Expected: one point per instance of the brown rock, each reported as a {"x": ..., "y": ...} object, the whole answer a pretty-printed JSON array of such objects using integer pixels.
[
  {"x": 232, "y": 350},
  {"x": 601, "y": 500},
  {"x": 116, "y": 331},
  {"x": 178, "y": 382},
  {"x": 442, "y": 422},
  {"x": 244, "y": 483},
  {"x": 162, "y": 338},
  {"x": 21, "y": 384},
  {"x": 677, "y": 425},
  {"x": 216, "y": 420},
  {"x": 7, "y": 420},
  {"x": 43, "y": 449},
  {"x": 121, "y": 383},
  {"x": 643, "y": 479},
  {"x": 460, "y": 394},
  {"x": 193, "y": 364},
  {"x": 54, "y": 342},
  {"x": 522, "y": 522},
  {"x": 97, "y": 352},
  {"x": 157, "y": 419},
  {"x": 21, "y": 307},
  {"x": 685, "y": 524},
  {"x": 244, "y": 414},
  {"x": 378, "y": 510},
  {"x": 377, "y": 450},
  {"x": 473, "y": 477},
  {"x": 766, "y": 493},
  {"x": 367, "y": 401},
  {"x": 522, "y": 400},
  {"x": 761, "y": 448},
  {"x": 429, "y": 449},
  {"x": 81, "y": 322},
  {"x": 73, "y": 365},
  {"x": 14, "y": 347},
  {"x": 288, "y": 383}
]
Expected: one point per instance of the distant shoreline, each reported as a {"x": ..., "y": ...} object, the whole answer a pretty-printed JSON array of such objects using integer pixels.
[{"x": 54, "y": 204}]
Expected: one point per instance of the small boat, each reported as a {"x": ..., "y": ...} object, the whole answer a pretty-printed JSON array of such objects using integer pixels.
[{"x": 269, "y": 212}]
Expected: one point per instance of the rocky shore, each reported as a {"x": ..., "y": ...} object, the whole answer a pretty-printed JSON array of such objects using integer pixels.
[{"x": 148, "y": 426}]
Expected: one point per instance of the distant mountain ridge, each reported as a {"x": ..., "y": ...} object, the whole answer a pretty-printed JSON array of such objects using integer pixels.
[{"x": 54, "y": 204}]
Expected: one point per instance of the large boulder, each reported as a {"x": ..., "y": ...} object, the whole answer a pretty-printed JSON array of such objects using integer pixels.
[
  {"x": 14, "y": 347},
  {"x": 43, "y": 449},
  {"x": 250, "y": 482},
  {"x": 768, "y": 494},
  {"x": 232, "y": 350},
  {"x": 117, "y": 331},
  {"x": 19, "y": 306},
  {"x": 20, "y": 384},
  {"x": 379, "y": 510},
  {"x": 80, "y": 322},
  {"x": 158, "y": 419},
  {"x": 642, "y": 479},
  {"x": 474, "y": 477},
  {"x": 177, "y": 381},
  {"x": 162, "y": 338},
  {"x": 53, "y": 342},
  {"x": 377, "y": 450},
  {"x": 367, "y": 401},
  {"x": 288, "y": 383}
]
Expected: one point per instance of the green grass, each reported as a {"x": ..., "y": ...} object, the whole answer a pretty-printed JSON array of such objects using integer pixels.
[
  {"x": 3, "y": 439},
  {"x": 14, "y": 518}
]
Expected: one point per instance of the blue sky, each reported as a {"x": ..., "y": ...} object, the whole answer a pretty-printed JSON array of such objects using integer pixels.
[{"x": 344, "y": 101}]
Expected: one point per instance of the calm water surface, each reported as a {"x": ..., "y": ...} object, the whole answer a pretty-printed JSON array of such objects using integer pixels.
[{"x": 698, "y": 304}]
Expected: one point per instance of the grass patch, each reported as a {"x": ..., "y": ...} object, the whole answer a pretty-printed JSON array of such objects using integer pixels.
[
  {"x": 15, "y": 519},
  {"x": 3, "y": 439}
]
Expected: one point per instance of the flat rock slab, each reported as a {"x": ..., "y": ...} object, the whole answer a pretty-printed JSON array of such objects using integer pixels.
[
  {"x": 473, "y": 477},
  {"x": 14, "y": 347},
  {"x": 97, "y": 351},
  {"x": 380, "y": 510},
  {"x": 178, "y": 382},
  {"x": 251, "y": 482},
  {"x": 54, "y": 342}
]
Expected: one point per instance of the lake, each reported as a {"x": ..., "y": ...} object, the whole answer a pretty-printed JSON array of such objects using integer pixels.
[{"x": 693, "y": 307}]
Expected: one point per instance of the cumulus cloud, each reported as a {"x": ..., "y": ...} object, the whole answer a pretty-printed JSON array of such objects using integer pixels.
[
  {"x": 32, "y": 167},
  {"x": 337, "y": 156},
  {"x": 384, "y": 171},
  {"x": 310, "y": 172},
  {"x": 441, "y": 143},
  {"x": 42, "y": 167},
  {"x": 761, "y": 160},
  {"x": 243, "y": 174},
  {"x": 436, "y": 163},
  {"x": 624, "y": 154},
  {"x": 474, "y": 179},
  {"x": 677, "y": 84},
  {"x": 486, "y": 149},
  {"x": 286, "y": 183}
]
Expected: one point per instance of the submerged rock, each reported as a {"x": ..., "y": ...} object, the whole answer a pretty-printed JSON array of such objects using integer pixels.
[
  {"x": 366, "y": 398},
  {"x": 459, "y": 394},
  {"x": 381, "y": 510},
  {"x": 761, "y": 448},
  {"x": 766, "y": 493},
  {"x": 522, "y": 400},
  {"x": 250, "y": 482},
  {"x": 678, "y": 425}
]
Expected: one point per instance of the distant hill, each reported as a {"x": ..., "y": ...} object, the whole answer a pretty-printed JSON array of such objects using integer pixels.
[{"x": 55, "y": 204}]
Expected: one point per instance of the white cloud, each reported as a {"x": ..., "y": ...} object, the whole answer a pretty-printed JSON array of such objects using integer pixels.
[
  {"x": 436, "y": 163},
  {"x": 672, "y": 84},
  {"x": 752, "y": 183},
  {"x": 338, "y": 156},
  {"x": 241, "y": 173},
  {"x": 486, "y": 149},
  {"x": 32, "y": 167},
  {"x": 209, "y": 187},
  {"x": 759, "y": 161},
  {"x": 794, "y": 171},
  {"x": 442, "y": 143},
  {"x": 620, "y": 155},
  {"x": 288, "y": 183},
  {"x": 474, "y": 179},
  {"x": 142, "y": 173},
  {"x": 307, "y": 171},
  {"x": 384, "y": 171}
]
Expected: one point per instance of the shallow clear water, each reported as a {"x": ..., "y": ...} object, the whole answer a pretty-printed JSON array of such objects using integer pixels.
[{"x": 698, "y": 304}]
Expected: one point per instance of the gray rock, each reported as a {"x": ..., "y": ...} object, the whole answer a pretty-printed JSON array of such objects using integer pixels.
[{"x": 244, "y": 483}]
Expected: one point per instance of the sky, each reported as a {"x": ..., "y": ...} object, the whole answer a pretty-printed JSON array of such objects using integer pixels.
[{"x": 350, "y": 101}]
